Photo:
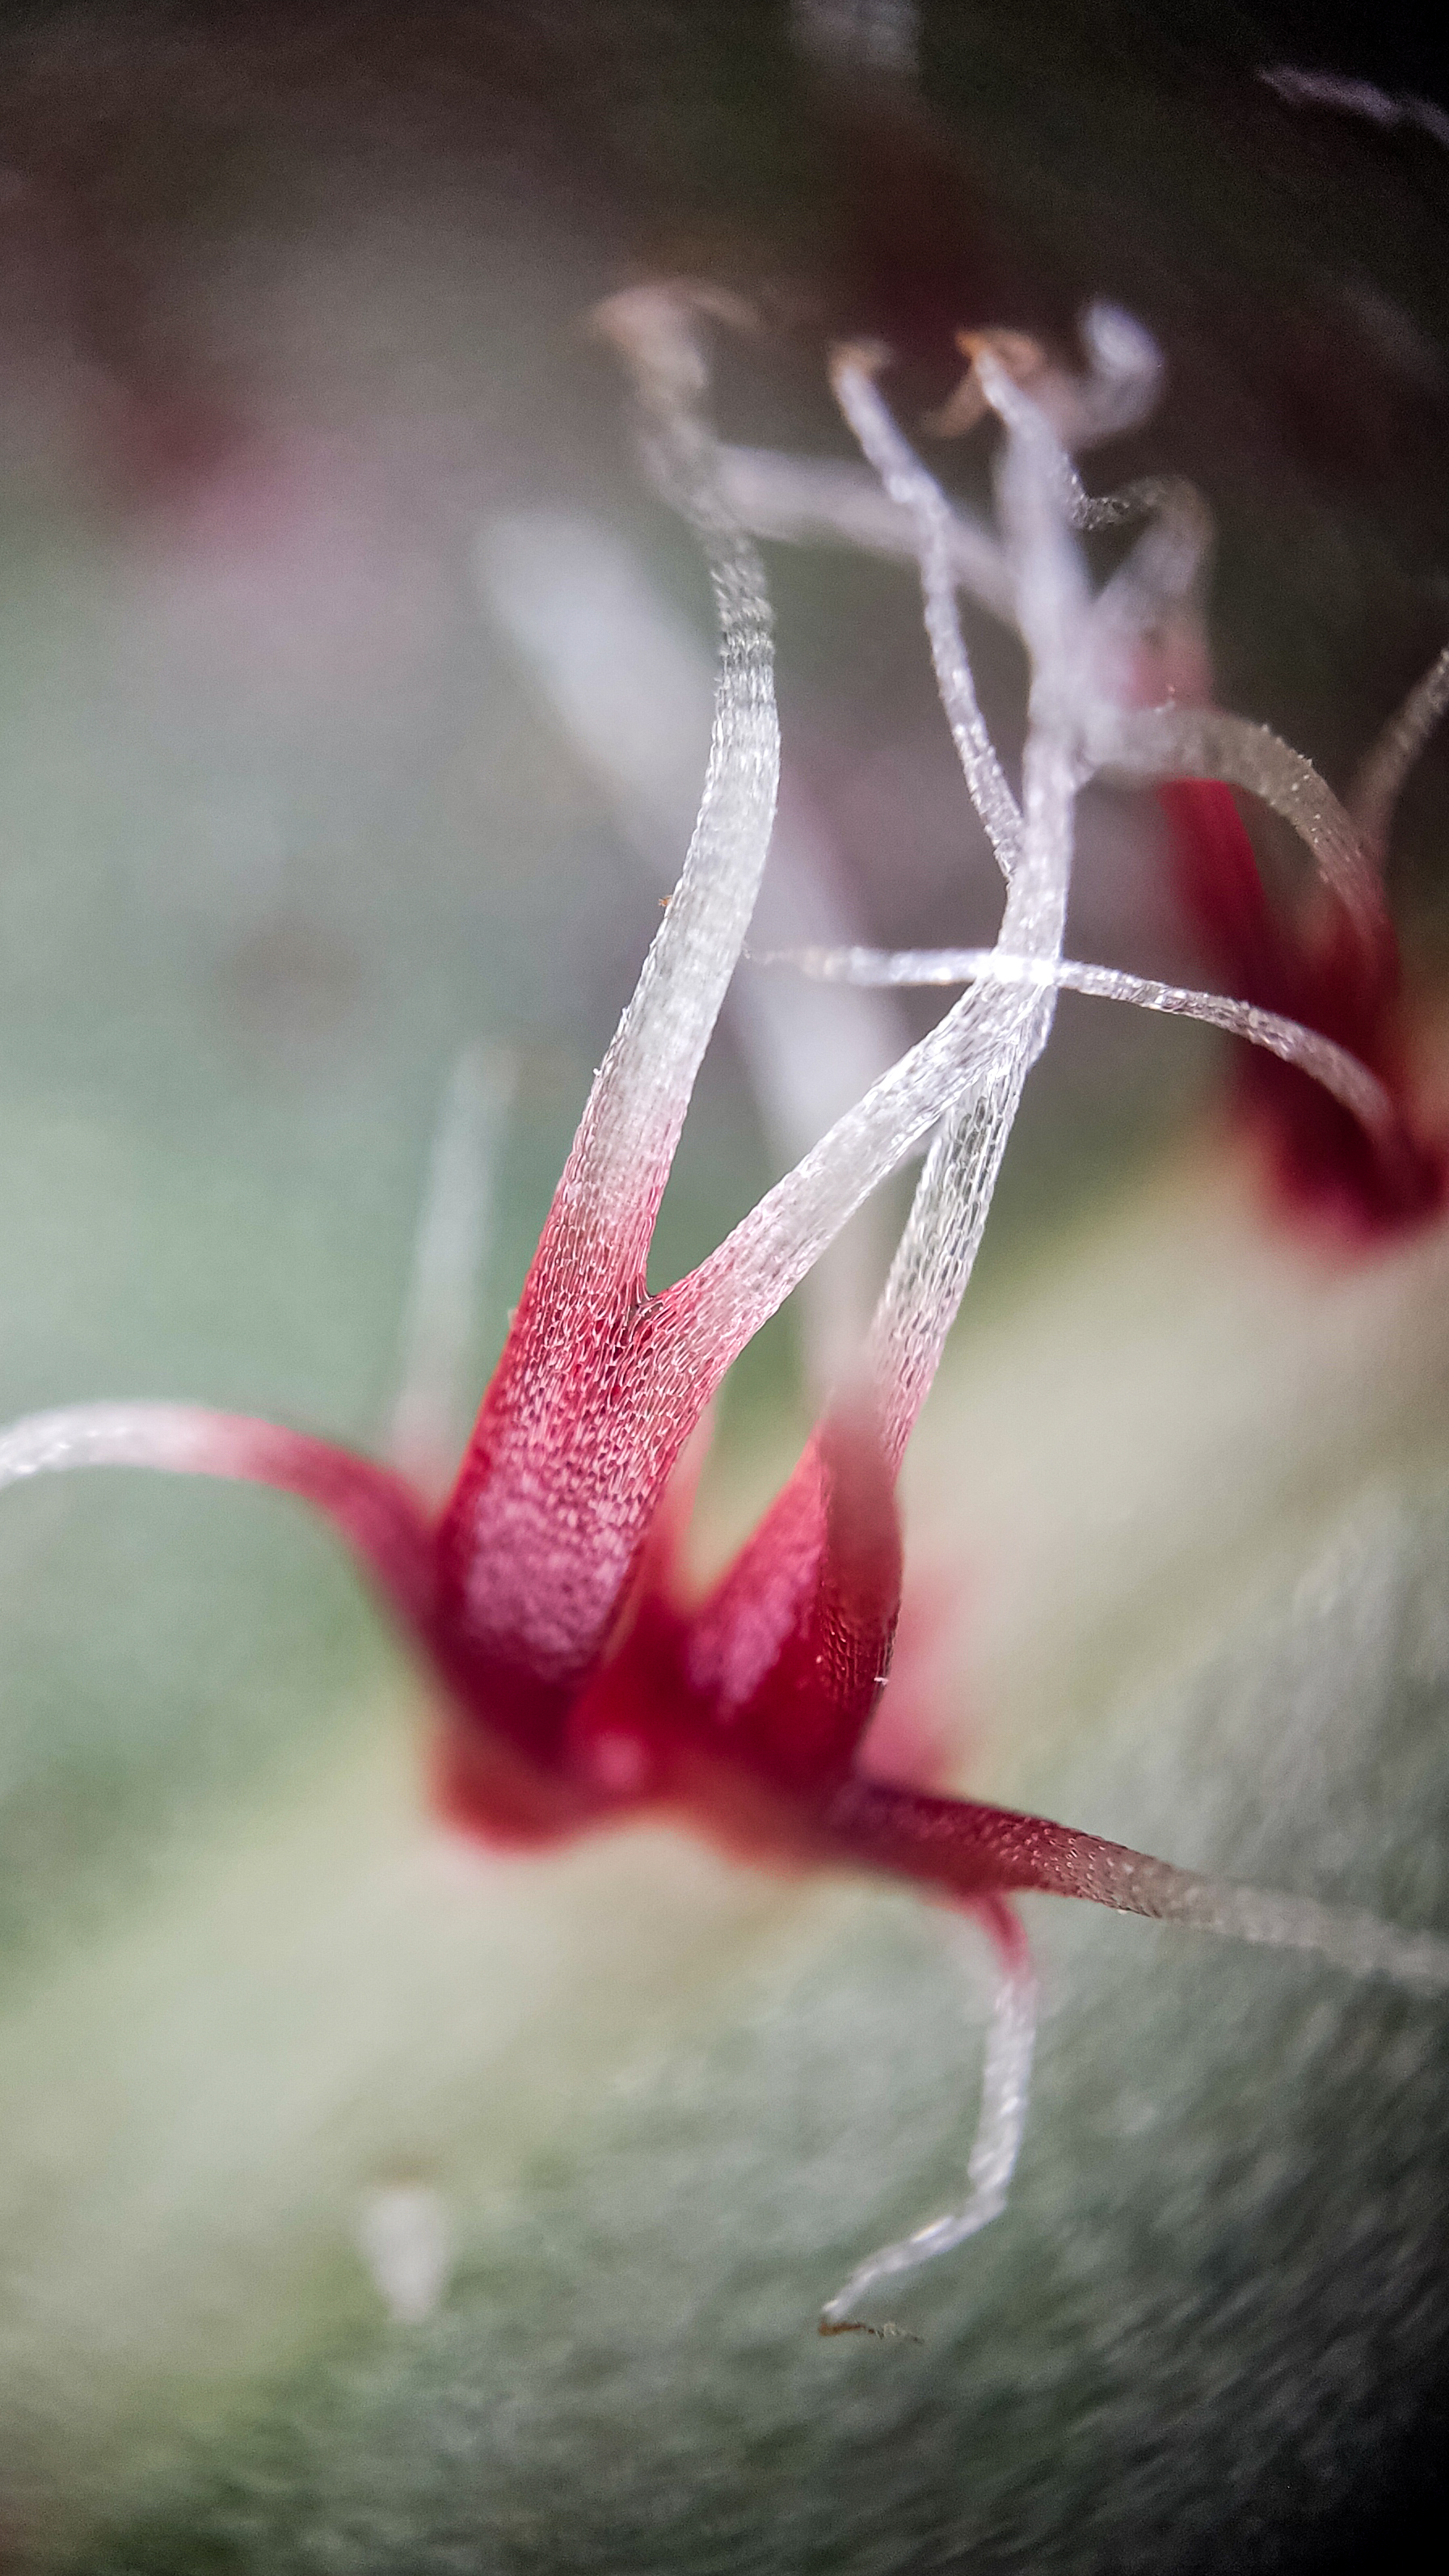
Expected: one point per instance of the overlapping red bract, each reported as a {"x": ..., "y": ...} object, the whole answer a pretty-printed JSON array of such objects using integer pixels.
[
  {"x": 741, "y": 1711},
  {"x": 739, "y": 1715}
]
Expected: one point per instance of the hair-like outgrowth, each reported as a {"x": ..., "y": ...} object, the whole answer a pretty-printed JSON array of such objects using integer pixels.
[
  {"x": 545, "y": 1591},
  {"x": 1144, "y": 715}
]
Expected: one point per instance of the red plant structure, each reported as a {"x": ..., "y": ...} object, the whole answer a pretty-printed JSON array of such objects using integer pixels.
[
  {"x": 1313, "y": 969},
  {"x": 584, "y": 1686}
]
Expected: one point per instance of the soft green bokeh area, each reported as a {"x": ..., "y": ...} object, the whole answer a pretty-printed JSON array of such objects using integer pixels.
[
  {"x": 281, "y": 829},
  {"x": 1210, "y": 2309}
]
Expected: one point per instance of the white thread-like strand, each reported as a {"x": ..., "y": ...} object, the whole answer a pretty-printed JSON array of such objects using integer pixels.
[
  {"x": 1005, "y": 2088},
  {"x": 1119, "y": 390},
  {"x": 1123, "y": 381},
  {"x": 820, "y": 501},
  {"x": 636, "y": 1109},
  {"x": 912, "y": 968},
  {"x": 550, "y": 1533},
  {"x": 1155, "y": 599},
  {"x": 976, "y": 1059},
  {"x": 1040, "y": 499},
  {"x": 436, "y": 1395},
  {"x": 180, "y": 1439},
  {"x": 1202, "y": 742},
  {"x": 1345, "y": 97},
  {"x": 817, "y": 500},
  {"x": 909, "y": 485},
  {"x": 379, "y": 1516},
  {"x": 1164, "y": 740},
  {"x": 632, "y": 684},
  {"x": 938, "y": 1247},
  {"x": 1021, "y": 1852},
  {"x": 1376, "y": 789},
  {"x": 979, "y": 1054},
  {"x": 947, "y": 1220}
]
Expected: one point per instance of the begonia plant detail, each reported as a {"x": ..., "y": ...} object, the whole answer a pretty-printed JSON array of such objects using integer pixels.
[{"x": 584, "y": 1683}]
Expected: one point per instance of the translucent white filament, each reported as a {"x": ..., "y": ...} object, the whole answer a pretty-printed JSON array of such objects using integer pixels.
[
  {"x": 1000, "y": 2127},
  {"x": 1333, "y": 1066}
]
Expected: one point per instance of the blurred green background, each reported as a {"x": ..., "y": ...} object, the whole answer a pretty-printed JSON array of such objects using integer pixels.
[{"x": 290, "y": 301}]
